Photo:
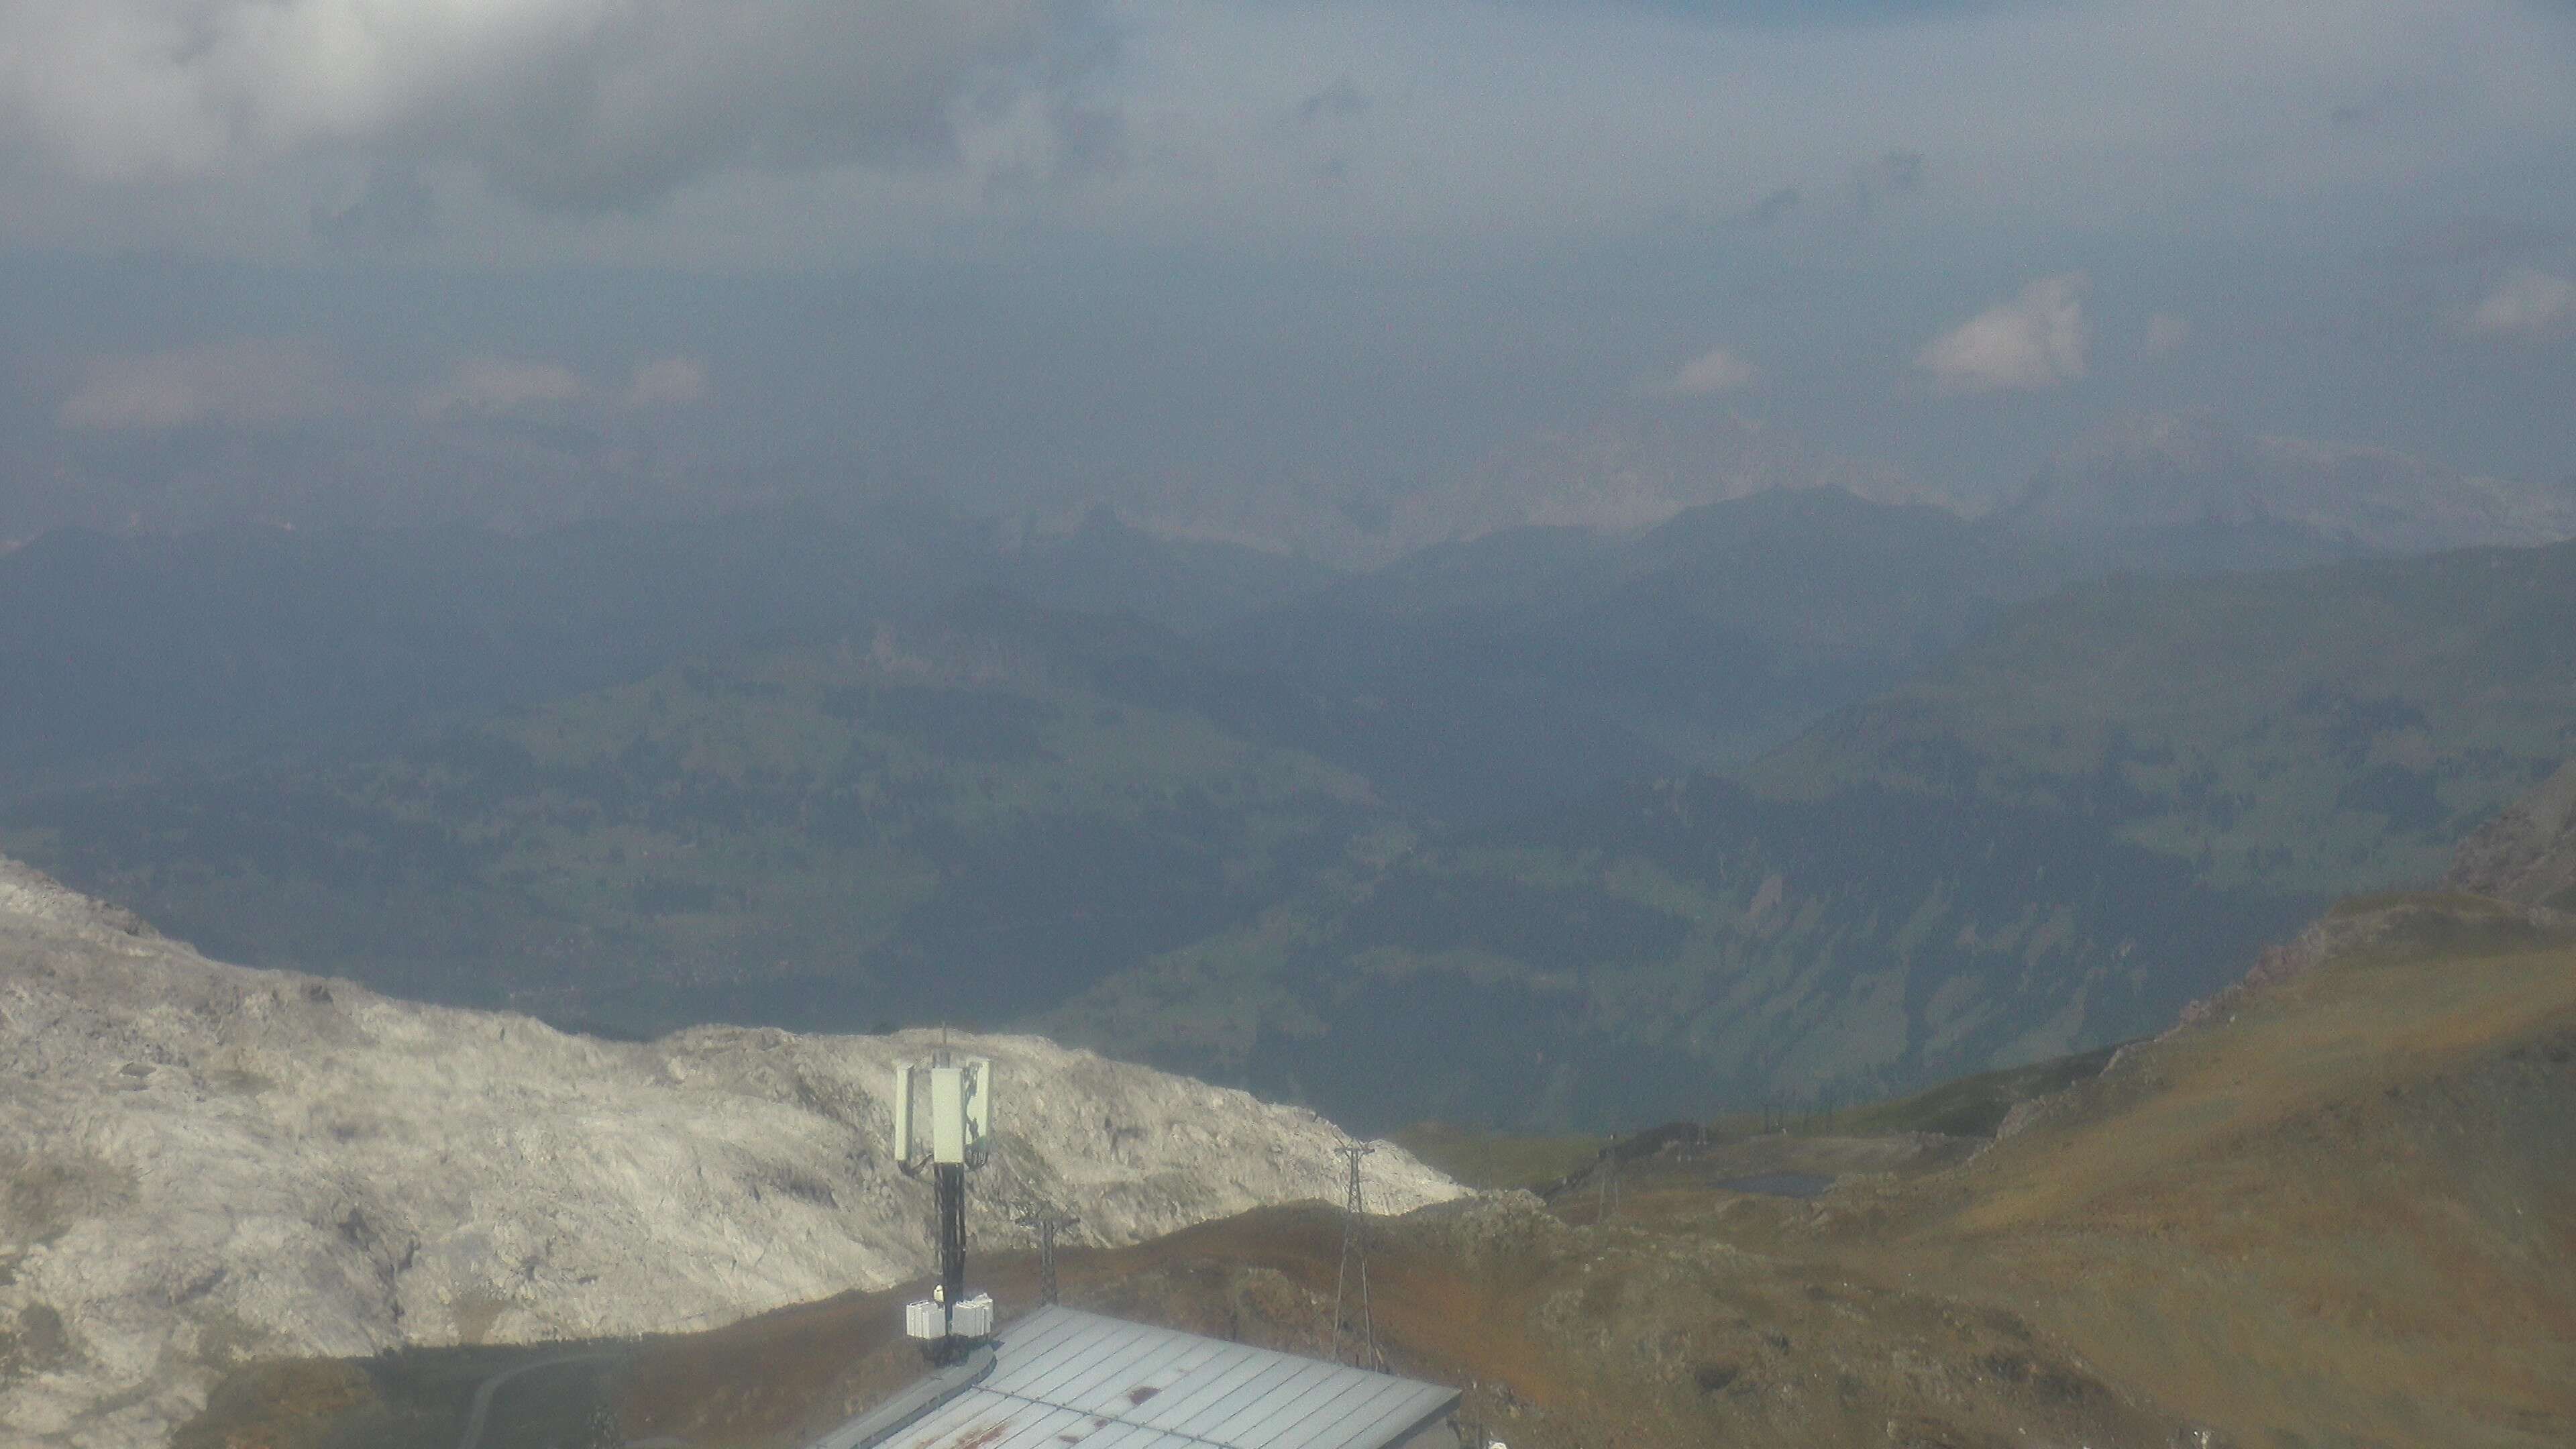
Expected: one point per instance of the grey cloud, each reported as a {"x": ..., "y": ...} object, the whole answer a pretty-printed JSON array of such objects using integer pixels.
[
  {"x": 498, "y": 386},
  {"x": 1774, "y": 206},
  {"x": 542, "y": 389},
  {"x": 395, "y": 207},
  {"x": 2475, "y": 239},
  {"x": 667, "y": 382},
  {"x": 1088, "y": 143},
  {"x": 2037, "y": 340},
  {"x": 1091, "y": 139},
  {"x": 616, "y": 123},
  {"x": 1890, "y": 174},
  {"x": 2527, "y": 305},
  {"x": 245, "y": 382},
  {"x": 1893, "y": 173},
  {"x": 1337, "y": 101},
  {"x": 562, "y": 104}
]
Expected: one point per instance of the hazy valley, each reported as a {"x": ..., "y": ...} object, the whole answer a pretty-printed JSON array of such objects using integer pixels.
[{"x": 1794, "y": 796}]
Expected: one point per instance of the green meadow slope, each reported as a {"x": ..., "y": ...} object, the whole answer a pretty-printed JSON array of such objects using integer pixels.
[
  {"x": 906, "y": 828},
  {"x": 2306, "y": 730}
]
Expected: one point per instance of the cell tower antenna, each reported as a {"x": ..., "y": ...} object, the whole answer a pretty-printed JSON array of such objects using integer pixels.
[
  {"x": 1047, "y": 1221},
  {"x": 1355, "y": 1256},
  {"x": 958, "y": 1099}
]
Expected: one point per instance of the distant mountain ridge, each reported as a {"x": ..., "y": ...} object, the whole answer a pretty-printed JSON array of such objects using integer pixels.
[
  {"x": 2163, "y": 472},
  {"x": 2265, "y": 500},
  {"x": 127, "y": 649}
]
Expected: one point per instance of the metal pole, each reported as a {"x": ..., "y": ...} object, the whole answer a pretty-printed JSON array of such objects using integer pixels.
[
  {"x": 1046, "y": 1260},
  {"x": 1046, "y": 1221},
  {"x": 1354, "y": 1253},
  {"x": 952, "y": 1236}
]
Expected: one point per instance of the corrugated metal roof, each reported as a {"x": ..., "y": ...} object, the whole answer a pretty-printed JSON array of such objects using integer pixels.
[{"x": 1063, "y": 1377}]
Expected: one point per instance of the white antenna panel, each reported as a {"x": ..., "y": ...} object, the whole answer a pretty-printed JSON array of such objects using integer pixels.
[
  {"x": 958, "y": 1099},
  {"x": 948, "y": 1114}
]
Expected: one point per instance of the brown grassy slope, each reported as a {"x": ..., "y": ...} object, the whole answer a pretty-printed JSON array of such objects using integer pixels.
[
  {"x": 1488, "y": 1159},
  {"x": 1572, "y": 1336},
  {"x": 2342, "y": 1210}
]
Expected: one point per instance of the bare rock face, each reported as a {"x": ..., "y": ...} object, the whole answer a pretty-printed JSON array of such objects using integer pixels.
[
  {"x": 2527, "y": 854},
  {"x": 201, "y": 1163}
]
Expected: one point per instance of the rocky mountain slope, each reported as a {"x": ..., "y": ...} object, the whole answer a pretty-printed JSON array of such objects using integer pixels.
[
  {"x": 201, "y": 1163},
  {"x": 2527, "y": 854}
]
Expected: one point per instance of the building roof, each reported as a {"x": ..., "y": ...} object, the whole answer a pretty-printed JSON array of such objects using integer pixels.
[{"x": 1062, "y": 1378}]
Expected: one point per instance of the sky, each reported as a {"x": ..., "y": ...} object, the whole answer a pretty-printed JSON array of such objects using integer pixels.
[{"x": 1239, "y": 264}]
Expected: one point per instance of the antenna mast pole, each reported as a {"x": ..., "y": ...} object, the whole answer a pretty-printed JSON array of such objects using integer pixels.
[
  {"x": 1354, "y": 1253},
  {"x": 950, "y": 1180},
  {"x": 959, "y": 1098}
]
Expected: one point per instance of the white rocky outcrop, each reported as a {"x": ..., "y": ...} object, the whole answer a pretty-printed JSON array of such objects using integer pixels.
[{"x": 200, "y": 1163}]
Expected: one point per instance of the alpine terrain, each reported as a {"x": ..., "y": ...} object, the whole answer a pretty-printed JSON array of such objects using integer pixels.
[{"x": 201, "y": 1164}]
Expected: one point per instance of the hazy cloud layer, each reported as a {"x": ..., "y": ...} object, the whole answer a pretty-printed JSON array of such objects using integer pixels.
[
  {"x": 1775, "y": 205},
  {"x": 503, "y": 386},
  {"x": 249, "y": 382},
  {"x": 1046, "y": 252},
  {"x": 2166, "y": 333},
  {"x": 579, "y": 105},
  {"x": 2036, "y": 340},
  {"x": 667, "y": 382},
  {"x": 1714, "y": 371},
  {"x": 395, "y": 206},
  {"x": 2528, "y": 304}
]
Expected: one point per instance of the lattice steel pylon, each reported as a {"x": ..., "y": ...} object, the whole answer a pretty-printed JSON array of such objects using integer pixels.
[
  {"x": 1355, "y": 1254},
  {"x": 1047, "y": 1221}
]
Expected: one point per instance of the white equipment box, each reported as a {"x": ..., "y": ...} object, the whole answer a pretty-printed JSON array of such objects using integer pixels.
[{"x": 972, "y": 1319}]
